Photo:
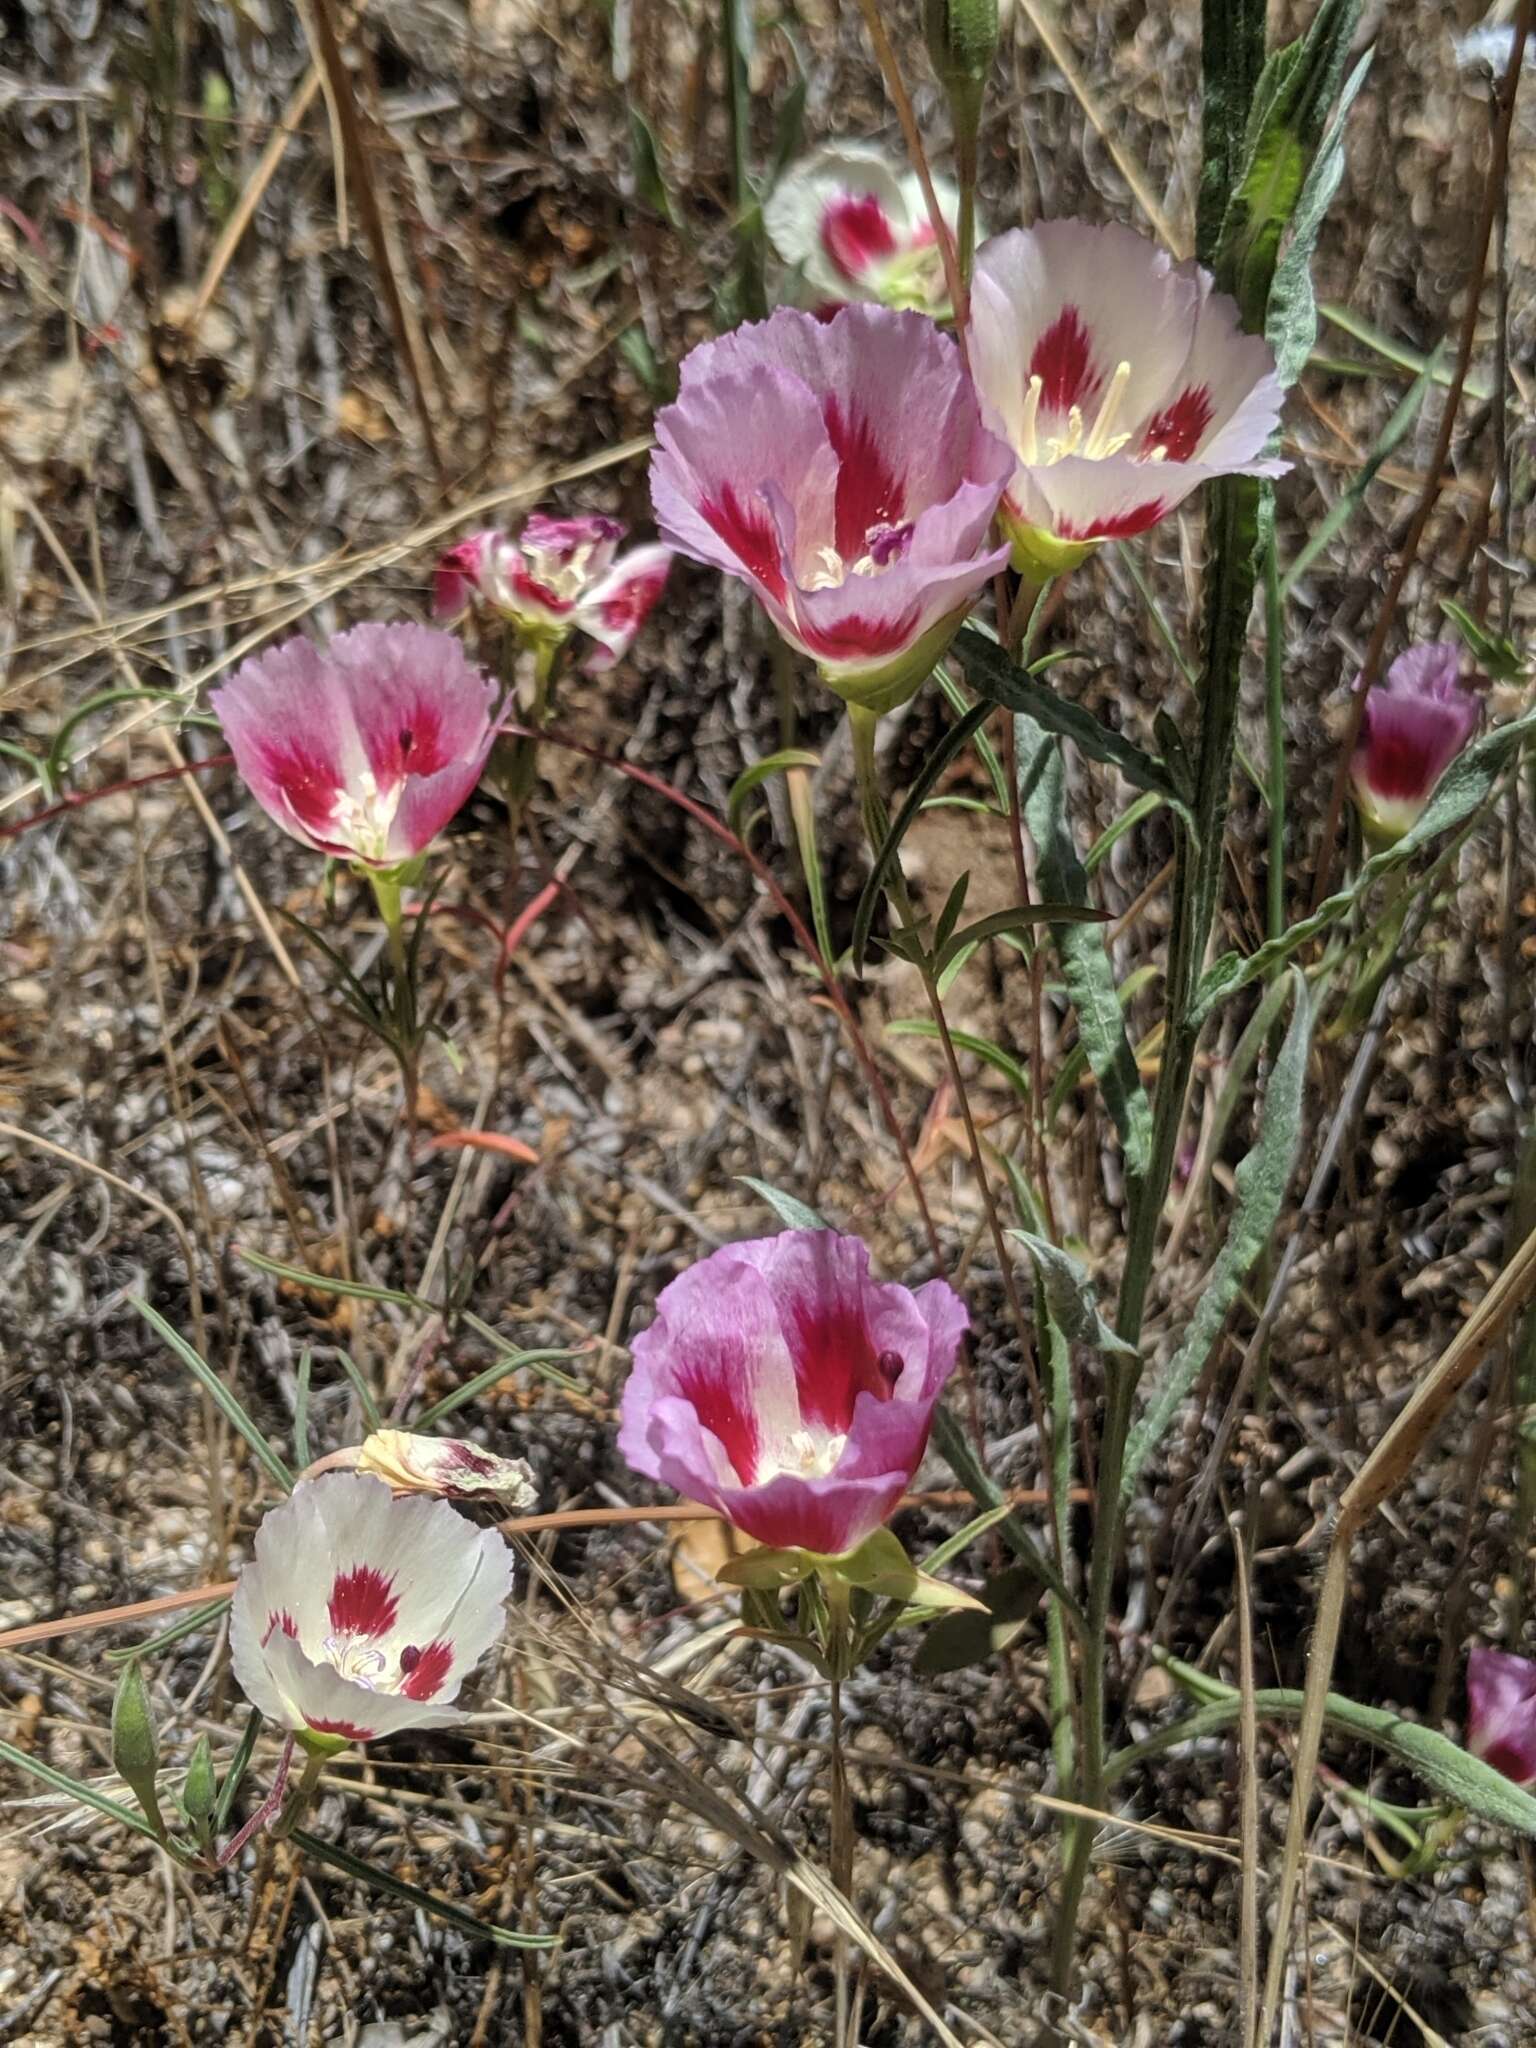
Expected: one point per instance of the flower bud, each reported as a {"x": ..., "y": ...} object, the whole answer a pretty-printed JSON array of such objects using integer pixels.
[
  {"x": 135, "y": 1745},
  {"x": 962, "y": 42},
  {"x": 200, "y": 1790},
  {"x": 446, "y": 1466}
]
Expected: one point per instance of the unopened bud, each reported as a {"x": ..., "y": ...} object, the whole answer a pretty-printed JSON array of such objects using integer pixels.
[
  {"x": 200, "y": 1790},
  {"x": 135, "y": 1746},
  {"x": 962, "y": 42}
]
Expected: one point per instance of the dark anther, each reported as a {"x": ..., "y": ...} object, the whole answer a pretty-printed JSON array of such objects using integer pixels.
[
  {"x": 888, "y": 1365},
  {"x": 410, "y": 1657}
]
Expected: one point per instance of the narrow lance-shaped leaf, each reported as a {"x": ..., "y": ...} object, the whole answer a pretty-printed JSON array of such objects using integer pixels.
[
  {"x": 1069, "y": 1293},
  {"x": 997, "y": 681},
  {"x": 1463, "y": 789},
  {"x": 1292, "y": 322},
  {"x": 1261, "y": 1183},
  {"x": 1085, "y": 963}
]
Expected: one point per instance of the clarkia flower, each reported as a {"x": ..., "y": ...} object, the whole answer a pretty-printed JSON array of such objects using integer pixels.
[
  {"x": 788, "y": 1391},
  {"x": 362, "y": 1614},
  {"x": 841, "y": 470},
  {"x": 857, "y": 230},
  {"x": 1416, "y": 722},
  {"x": 365, "y": 748},
  {"x": 560, "y": 576},
  {"x": 447, "y": 1466},
  {"x": 1120, "y": 379},
  {"x": 1501, "y": 1712}
]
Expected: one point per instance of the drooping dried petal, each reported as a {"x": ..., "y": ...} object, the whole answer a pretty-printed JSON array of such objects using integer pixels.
[{"x": 447, "y": 1466}]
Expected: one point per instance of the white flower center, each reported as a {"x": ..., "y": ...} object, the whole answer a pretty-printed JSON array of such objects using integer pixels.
[
  {"x": 834, "y": 571},
  {"x": 807, "y": 1453},
  {"x": 1077, "y": 437},
  {"x": 356, "y": 1658},
  {"x": 365, "y": 814},
  {"x": 564, "y": 575}
]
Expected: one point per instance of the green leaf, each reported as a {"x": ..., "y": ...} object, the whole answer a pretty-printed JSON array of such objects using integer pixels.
[
  {"x": 950, "y": 1441},
  {"x": 218, "y": 1393},
  {"x": 1291, "y": 323},
  {"x": 1231, "y": 58},
  {"x": 1452, "y": 1772},
  {"x": 1495, "y": 655},
  {"x": 1261, "y": 1184},
  {"x": 1463, "y": 789},
  {"x": 765, "y": 1570},
  {"x": 965, "y": 1041},
  {"x": 996, "y": 679},
  {"x": 645, "y": 158},
  {"x": 789, "y": 131},
  {"x": 1295, "y": 90},
  {"x": 753, "y": 778},
  {"x": 956, "y": 1641},
  {"x": 1085, "y": 963},
  {"x": 511, "y": 1360},
  {"x": 412, "y": 1895},
  {"x": 946, "y": 750},
  {"x": 75, "y": 1788},
  {"x": 1069, "y": 1295},
  {"x": 1017, "y": 919},
  {"x": 881, "y": 1566},
  {"x": 790, "y": 1210}
]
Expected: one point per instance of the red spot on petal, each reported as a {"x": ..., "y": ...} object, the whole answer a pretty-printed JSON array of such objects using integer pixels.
[
  {"x": 1119, "y": 526},
  {"x": 749, "y": 536},
  {"x": 279, "y": 1619},
  {"x": 856, "y": 232},
  {"x": 533, "y": 592},
  {"x": 626, "y": 610},
  {"x": 349, "y": 1729},
  {"x": 835, "y": 1361},
  {"x": 309, "y": 783},
  {"x": 869, "y": 488},
  {"x": 1063, "y": 361},
  {"x": 717, "y": 1392},
  {"x": 425, "y": 1670},
  {"x": 362, "y": 1602},
  {"x": 456, "y": 578},
  {"x": 464, "y": 1457},
  {"x": 856, "y": 639},
  {"x": 1180, "y": 427}
]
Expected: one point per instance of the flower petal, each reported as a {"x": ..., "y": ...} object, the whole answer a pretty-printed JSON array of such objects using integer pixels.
[
  {"x": 1501, "y": 1712},
  {"x": 614, "y": 610}
]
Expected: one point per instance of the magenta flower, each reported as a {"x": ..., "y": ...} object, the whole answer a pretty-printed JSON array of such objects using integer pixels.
[
  {"x": 1416, "y": 722},
  {"x": 855, "y": 229},
  {"x": 1120, "y": 379},
  {"x": 785, "y": 1389},
  {"x": 362, "y": 1614},
  {"x": 840, "y": 469},
  {"x": 364, "y": 749},
  {"x": 560, "y": 576},
  {"x": 1501, "y": 1712}
]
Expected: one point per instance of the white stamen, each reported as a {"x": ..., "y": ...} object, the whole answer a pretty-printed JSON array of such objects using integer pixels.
[
  {"x": 832, "y": 573},
  {"x": 1102, "y": 439},
  {"x": 354, "y": 1659},
  {"x": 807, "y": 1453},
  {"x": 365, "y": 816},
  {"x": 1029, "y": 447}
]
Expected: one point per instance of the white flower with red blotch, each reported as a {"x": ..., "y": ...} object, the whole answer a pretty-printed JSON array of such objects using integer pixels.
[
  {"x": 783, "y": 1387},
  {"x": 362, "y": 1614},
  {"x": 841, "y": 470},
  {"x": 1121, "y": 379},
  {"x": 560, "y": 576},
  {"x": 363, "y": 749},
  {"x": 1417, "y": 720},
  {"x": 855, "y": 229}
]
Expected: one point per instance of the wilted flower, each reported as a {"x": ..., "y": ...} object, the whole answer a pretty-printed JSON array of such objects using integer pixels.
[
  {"x": 1501, "y": 1712},
  {"x": 363, "y": 749},
  {"x": 1121, "y": 380},
  {"x": 447, "y": 1466},
  {"x": 362, "y": 1614},
  {"x": 784, "y": 1388},
  {"x": 1416, "y": 722},
  {"x": 560, "y": 576},
  {"x": 855, "y": 229},
  {"x": 840, "y": 469}
]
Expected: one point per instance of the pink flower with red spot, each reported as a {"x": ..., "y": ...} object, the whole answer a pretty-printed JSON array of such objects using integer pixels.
[
  {"x": 560, "y": 576},
  {"x": 1120, "y": 379},
  {"x": 854, "y": 229},
  {"x": 841, "y": 470},
  {"x": 361, "y": 1613},
  {"x": 363, "y": 749},
  {"x": 1416, "y": 722},
  {"x": 784, "y": 1388},
  {"x": 1501, "y": 1712}
]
